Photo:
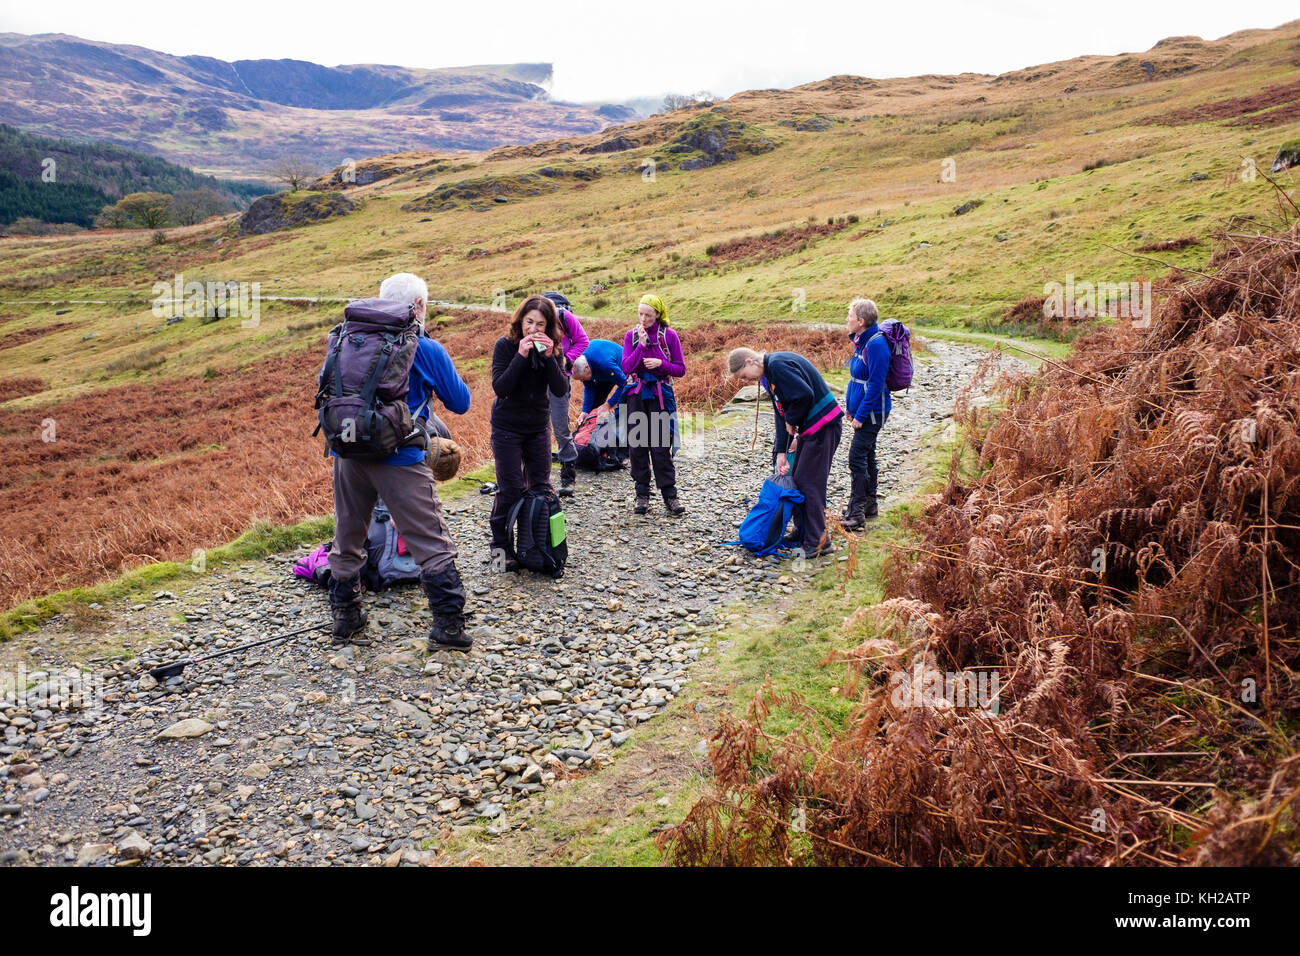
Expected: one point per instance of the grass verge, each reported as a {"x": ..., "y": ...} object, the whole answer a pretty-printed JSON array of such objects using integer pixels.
[{"x": 262, "y": 539}]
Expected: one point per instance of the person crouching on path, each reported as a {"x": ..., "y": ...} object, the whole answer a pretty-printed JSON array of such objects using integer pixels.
[
  {"x": 604, "y": 384},
  {"x": 867, "y": 403},
  {"x": 652, "y": 358},
  {"x": 807, "y": 424},
  {"x": 573, "y": 342},
  {"x": 526, "y": 371},
  {"x": 406, "y": 484}
]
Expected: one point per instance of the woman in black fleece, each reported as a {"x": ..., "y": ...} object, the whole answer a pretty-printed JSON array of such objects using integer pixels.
[{"x": 525, "y": 366}]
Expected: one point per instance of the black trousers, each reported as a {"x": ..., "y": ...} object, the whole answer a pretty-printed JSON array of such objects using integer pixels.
[
  {"x": 650, "y": 442},
  {"x": 862, "y": 455},
  {"x": 814, "y": 455},
  {"x": 523, "y": 462}
]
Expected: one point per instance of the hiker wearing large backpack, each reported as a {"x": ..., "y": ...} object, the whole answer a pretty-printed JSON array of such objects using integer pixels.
[
  {"x": 573, "y": 342},
  {"x": 526, "y": 371},
  {"x": 867, "y": 403},
  {"x": 380, "y": 375},
  {"x": 652, "y": 358},
  {"x": 808, "y": 425}
]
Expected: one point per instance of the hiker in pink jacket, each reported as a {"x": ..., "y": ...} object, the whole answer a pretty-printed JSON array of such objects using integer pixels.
[
  {"x": 652, "y": 358},
  {"x": 573, "y": 343}
]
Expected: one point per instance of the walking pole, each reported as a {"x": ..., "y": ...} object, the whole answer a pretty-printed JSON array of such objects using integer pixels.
[{"x": 166, "y": 672}]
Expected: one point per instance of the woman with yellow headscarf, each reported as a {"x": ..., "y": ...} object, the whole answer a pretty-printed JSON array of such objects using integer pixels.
[{"x": 652, "y": 358}]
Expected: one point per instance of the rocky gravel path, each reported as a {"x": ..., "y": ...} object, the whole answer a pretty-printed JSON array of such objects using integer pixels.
[{"x": 304, "y": 753}]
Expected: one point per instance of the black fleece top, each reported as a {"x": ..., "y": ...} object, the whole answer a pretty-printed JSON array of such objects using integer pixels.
[{"x": 521, "y": 384}]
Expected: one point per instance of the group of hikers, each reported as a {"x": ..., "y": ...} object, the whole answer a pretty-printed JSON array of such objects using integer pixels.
[{"x": 382, "y": 430}]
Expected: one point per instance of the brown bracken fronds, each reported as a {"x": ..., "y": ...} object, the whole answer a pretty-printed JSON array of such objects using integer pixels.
[{"x": 1127, "y": 561}]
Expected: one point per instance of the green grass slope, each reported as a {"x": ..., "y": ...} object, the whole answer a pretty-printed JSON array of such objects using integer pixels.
[{"x": 862, "y": 161}]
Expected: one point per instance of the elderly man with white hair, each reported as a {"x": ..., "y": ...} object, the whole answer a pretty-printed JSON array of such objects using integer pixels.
[{"x": 406, "y": 484}]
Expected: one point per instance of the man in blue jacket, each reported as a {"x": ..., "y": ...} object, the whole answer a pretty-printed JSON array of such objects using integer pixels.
[
  {"x": 407, "y": 486},
  {"x": 600, "y": 370},
  {"x": 808, "y": 424},
  {"x": 868, "y": 403}
]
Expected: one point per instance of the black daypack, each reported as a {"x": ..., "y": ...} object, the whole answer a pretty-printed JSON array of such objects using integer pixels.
[
  {"x": 537, "y": 533},
  {"x": 362, "y": 398}
]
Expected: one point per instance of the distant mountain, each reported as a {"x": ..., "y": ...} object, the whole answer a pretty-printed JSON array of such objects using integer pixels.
[
  {"x": 58, "y": 180},
  {"x": 236, "y": 117}
]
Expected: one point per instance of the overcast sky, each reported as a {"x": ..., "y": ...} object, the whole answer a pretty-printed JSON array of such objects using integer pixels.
[{"x": 618, "y": 49}]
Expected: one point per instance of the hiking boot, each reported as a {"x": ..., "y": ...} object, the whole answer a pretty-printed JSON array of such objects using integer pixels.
[
  {"x": 449, "y": 631},
  {"x": 642, "y": 506},
  {"x": 854, "y": 517},
  {"x": 446, "y": 595},
  {"x": 674, "y": 507},
  {"x": 568, "y": 478},
  {"x": 345, "y": 608}
]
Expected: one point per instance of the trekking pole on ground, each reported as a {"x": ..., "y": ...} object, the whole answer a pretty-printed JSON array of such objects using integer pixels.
[{"x": 166, "y": 672}]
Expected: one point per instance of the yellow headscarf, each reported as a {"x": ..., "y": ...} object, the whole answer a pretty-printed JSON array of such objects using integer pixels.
[{"x": 655, "y": 303}]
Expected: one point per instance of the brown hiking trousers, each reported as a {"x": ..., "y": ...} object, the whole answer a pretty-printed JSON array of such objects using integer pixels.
[{"x": 412, "y": 498}]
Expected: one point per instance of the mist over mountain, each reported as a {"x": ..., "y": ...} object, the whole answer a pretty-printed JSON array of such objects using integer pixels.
[{"x": 233, "y": 118}]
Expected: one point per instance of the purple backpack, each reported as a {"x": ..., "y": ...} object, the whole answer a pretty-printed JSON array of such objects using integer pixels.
[
  {"x": 363, "y": 387},
  {"x": 899, "y": 376}
]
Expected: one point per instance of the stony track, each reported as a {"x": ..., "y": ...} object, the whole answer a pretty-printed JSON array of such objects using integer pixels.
[{"x": 302, "y": 753}]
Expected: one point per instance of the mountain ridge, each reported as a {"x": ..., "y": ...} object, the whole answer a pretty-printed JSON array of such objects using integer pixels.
[{"x": 232, "y": 118}]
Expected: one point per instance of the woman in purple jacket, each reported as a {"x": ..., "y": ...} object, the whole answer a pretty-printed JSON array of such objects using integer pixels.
[
  {"x": 573, "y": 342},
  {"x": 652, "y": 358}
]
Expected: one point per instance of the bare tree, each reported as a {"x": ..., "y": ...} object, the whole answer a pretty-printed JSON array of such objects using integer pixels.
[
  {"x": 676, "y": 101},
  {"x": 190, "y": 206},
  {"x": 293, "y": 170}
]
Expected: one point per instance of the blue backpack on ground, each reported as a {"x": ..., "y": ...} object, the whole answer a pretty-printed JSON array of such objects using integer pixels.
[
  {"x": 764, "y": 527},
  {"x": 388, "y": 563}
]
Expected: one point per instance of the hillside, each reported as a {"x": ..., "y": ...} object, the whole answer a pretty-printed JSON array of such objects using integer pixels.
[
  {"x": 1116, "y": 546},
  {"x": 65, "y": 181},
  {"x": 232, "y": 118},
  {"x": 775, "y": 206}
]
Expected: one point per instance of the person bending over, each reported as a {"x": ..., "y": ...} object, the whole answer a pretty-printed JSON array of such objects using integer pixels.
[
  {"x": 807, "y": 419},
  {"x": 604, "y": 384}
]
